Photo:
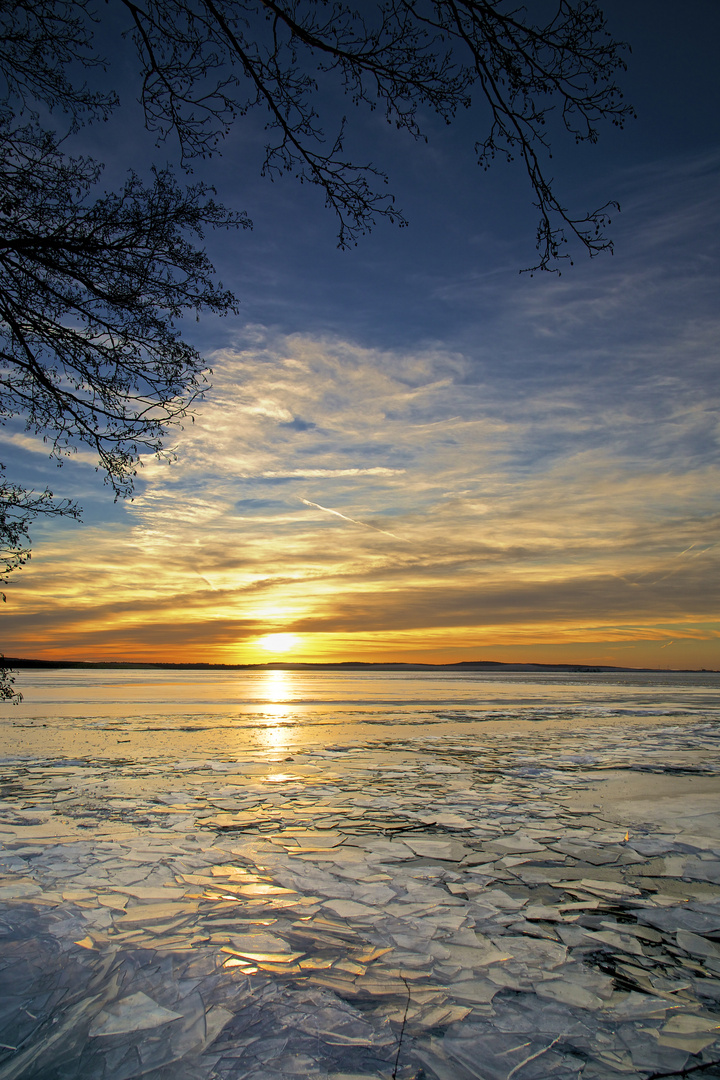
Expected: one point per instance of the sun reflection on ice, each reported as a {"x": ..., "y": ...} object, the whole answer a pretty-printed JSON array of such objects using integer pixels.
[{"x": 277, "y": 692}]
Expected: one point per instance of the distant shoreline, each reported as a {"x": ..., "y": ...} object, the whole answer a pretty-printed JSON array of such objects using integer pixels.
[{"x": 345, "y": 665}]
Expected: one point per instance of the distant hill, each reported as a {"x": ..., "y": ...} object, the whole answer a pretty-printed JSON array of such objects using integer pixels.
[{"x": 344, "y": 665}]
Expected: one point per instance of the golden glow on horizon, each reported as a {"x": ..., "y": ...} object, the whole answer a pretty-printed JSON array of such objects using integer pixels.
[
  {"x": 277, "y": 643},
  {"x": 590, "y": 559}
]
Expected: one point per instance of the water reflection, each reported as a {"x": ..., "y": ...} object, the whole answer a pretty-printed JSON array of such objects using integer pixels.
[
  {"x": 74, "y": 700},
  {"x": 277, "y": 691}
]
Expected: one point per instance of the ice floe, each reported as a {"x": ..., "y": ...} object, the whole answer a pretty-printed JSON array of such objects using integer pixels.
[{"x": 430, "y": 908}]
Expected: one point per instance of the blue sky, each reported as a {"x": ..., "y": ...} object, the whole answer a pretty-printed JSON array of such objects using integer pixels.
[{"x": 411, "y": 451}]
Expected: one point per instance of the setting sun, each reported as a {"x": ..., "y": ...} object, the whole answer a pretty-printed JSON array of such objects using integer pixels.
[{"x": 277, "y": 643}]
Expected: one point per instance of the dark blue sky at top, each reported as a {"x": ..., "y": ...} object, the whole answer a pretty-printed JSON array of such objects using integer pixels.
[{"x": 466, "y": 226}]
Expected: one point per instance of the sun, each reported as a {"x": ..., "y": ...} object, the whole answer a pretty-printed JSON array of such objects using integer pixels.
[{"x": 277, "y": 643}]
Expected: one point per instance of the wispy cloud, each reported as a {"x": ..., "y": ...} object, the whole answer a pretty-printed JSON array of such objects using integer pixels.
[{"x": 523, "y": 524}]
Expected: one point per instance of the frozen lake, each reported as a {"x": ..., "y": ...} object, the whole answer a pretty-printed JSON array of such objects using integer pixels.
[{"x": 279, "y": 875}]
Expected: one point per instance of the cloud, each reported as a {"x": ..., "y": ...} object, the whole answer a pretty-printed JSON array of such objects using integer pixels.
[
  {"x": 550, "y": 518},
  {"x": 299, "y": 425},
  {"x": 35, "y": 444}
]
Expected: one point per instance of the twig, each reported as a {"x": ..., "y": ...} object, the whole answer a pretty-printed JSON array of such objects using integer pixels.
[
  {"x": 402, "y": 1029},
  {"x": 532, "y": 1057}
]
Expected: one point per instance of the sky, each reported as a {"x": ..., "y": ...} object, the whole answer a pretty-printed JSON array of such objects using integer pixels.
[{"x": 412, "y": 452}]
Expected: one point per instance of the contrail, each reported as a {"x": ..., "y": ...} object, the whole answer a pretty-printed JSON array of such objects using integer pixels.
[{"x": 353, "y": 521}]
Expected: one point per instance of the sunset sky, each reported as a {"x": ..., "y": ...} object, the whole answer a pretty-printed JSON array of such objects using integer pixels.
[{"x": 411, "y": 452}]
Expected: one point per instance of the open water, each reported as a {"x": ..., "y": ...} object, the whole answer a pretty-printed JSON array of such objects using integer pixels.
[
  {"x": 272, "y": 875},
  {"x": 321, "y": 705}
]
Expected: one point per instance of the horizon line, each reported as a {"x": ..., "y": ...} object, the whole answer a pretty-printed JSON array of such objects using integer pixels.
[{"x": 381, "y": 665}]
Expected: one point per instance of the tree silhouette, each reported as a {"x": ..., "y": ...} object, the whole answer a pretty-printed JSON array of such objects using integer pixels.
[
  {"x": 206, "y": 64},
  {"x": 94, "y": 283}
]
